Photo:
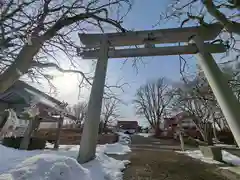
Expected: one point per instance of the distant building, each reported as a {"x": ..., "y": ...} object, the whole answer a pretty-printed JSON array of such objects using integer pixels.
[
  {"x": 170, "y": 126},
  {"x": 127, "y": 126}
]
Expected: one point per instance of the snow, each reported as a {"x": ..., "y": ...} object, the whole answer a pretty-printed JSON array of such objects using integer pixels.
[
  {"x": 226, "y": 156},
  {"x": 145, "y": 134},
  {"x": 48, "y": 166},
  {"x": 122, "y": 134},
  {"x": 225, "y": 145},
  {"x": 196, "y": 154},
  {"x": 230, "y": 158},
  {"x": 116, "y": 148},
  {"x": 123, "y": 138},
  {"x": 61, "y": 164}
]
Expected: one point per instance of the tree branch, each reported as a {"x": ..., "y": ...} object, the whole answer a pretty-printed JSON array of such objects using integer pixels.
[{"x": 232, "y": 27}]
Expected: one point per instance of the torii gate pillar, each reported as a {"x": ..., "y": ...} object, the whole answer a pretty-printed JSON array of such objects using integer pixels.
[
  {"x": 91, "y": 125},
  {"x": 218, "y": 82}
]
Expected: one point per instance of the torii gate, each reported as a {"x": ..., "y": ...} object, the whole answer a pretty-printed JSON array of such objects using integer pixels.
[{"x": 102, "y": 47}]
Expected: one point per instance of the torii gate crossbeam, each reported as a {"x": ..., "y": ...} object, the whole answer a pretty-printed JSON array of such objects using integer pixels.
[{"x": 102, "y": 47}]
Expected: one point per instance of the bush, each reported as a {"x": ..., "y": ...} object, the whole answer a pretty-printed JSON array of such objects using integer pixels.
[
  {"x": 226, "y": 136},
  {"x": 14, "y": 142},
  {"x": 193, "y": 142}
]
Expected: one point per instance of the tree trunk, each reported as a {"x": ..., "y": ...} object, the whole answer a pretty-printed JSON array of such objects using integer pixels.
[
  {"x": 105, "y": 126},
  {"x": 20, "y": 66},
  {"x": 27, "y": 134},
  {"x": 57, "y": 140},
  {"x": 232, "y": 27},
  {"x": 208, "y": 133},
  {"x": 157, "y": 131}
]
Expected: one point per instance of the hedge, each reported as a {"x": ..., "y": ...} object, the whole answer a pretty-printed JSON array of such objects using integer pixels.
[{"x": 14, "y": 142}]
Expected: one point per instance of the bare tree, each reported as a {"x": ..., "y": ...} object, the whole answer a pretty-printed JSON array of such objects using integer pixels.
[
  {"x": 34, "y": 34},
  {"x": 152, "y": 101},
  {"x": 110, "y": 112},
  {"x": 196, "y": 98},
  {"x": 205, "y": 11},
  {"x": 79, "y": 110},
  {"x": 192, "y": 98}
]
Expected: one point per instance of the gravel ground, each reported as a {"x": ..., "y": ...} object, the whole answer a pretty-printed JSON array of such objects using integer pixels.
[
  {"x": 155, "y": 159},
  {"x": 168, "y": 165}
]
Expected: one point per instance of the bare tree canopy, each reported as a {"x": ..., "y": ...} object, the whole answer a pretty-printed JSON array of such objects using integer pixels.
[
  {"x": 33, "y": 32},
  {"x": 79, "y": 110},
  {"x": 195, "y": 97},
  {"x": 205, "y": 12},
  {"x": 110, "y": 112},
  {"x": 152, "y": 101},
  {"x": 226, "y": 12}
]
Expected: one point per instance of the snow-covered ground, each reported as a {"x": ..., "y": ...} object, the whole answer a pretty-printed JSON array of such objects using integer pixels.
[
  {"x": 225, "y": 145},
  {"x": 145, "y": 134},
  {"x": 227, "y": 157},
  {"x": 123, "y": 138},
  {"x": 61, "y": 165},
  {"x": 116, "y": 148}
]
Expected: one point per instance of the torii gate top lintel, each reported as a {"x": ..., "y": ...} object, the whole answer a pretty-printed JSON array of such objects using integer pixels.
[
  {"x": 160, "y": 36},
  {"x": 149, "y": 38}
]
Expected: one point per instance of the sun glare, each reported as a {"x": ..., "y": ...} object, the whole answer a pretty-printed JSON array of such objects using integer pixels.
[{"x": 66, "y": 83}]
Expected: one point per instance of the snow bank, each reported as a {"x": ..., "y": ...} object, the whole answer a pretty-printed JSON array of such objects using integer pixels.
[
  {"x": 105, "y": 168},
  {"x": 230, "y": 158},
  {"x": 123, "y": 138},
  {"x": 225, "y": 145},
  {"x": 145, "y": 134},
  {"x": 196, "y": 154},
  {"x": 64, "y": 147},
  {"x": 48, "y": 166},
  {"x": 116, "y": 148},
  {"x": 61, "y": 164},
  {"x": 226, "y": 156},
  {"x": 10, "y": 157}
]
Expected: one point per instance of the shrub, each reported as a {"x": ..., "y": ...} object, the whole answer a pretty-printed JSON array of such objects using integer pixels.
[
  {"x": 226, "y": 136},
  {"x": 14, "y": 142}
]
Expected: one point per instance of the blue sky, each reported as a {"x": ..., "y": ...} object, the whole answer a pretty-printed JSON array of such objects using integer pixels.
[{"x": 143, "y": 16}]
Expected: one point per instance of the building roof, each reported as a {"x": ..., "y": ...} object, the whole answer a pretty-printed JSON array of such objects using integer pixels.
[
  {"x": 21, "y": 89},
  {"x": 127, "y": 124},
  {"x": 24, "y": 95}
]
